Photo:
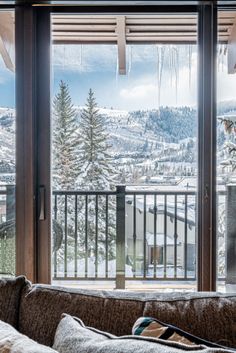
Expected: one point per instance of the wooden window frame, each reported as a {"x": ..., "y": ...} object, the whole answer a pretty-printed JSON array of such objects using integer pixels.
[{"x": 33, "y": 134}]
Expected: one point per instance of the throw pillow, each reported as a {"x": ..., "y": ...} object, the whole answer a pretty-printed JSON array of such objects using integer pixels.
[
  {"x": 10, "y": 294},
  {"x": 11, "y": 341},
  {"x": 72, "y": 336},
  {"x": 150, "y": 327}
]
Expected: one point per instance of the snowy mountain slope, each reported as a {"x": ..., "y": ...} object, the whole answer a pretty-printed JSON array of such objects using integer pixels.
[
  {"x": 7, "y": 142},
  {"x": 142, "y": 138}
]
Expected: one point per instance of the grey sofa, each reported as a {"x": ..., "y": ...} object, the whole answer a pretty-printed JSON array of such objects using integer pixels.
[{"x": 35, "y": 310}]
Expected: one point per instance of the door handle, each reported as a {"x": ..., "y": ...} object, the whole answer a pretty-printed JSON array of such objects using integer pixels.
[
  {"x": 42, "y": 213},
  {"x": 206, "y": 193}
]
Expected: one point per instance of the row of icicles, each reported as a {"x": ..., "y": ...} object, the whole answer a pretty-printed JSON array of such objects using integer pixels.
[{"x": 167, "y": 60}]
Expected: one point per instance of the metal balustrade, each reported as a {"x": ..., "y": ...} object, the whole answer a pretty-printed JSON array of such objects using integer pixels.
[
  {"x": 152, "y": 235},
  {"x": 116, "y": 235}
]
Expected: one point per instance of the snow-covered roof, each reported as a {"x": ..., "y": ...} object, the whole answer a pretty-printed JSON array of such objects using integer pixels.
[
  {"x": 170, "y": 206},
  {"x": 159, "y": 239}
]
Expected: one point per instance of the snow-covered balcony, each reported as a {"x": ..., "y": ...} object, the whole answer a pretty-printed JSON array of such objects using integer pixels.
[
  {"x": 124, "y": 236},
  {"x": 120, "y": 238}
]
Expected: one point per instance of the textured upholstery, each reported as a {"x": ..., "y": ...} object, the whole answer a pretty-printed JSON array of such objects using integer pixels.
[
  {"x": 42, "y": 306},
  {"x": 10, "y": 295},
  {"x": 209, "y": 316}
]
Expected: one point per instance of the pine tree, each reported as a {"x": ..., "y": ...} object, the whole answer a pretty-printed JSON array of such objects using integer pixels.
[
  {"x": 96, "y": 161},
  {"x": 97, "y": 174},
  {"x": 65, "y": 141},
  {"x": 65, "y": 165}
]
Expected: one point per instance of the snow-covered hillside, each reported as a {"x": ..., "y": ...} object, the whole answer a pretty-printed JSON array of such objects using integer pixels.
[
  {"x": 145, "y": 145},
  {"x": 7, "y": 145}
]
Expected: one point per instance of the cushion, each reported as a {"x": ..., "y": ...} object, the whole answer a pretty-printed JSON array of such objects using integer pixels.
[
  {"x": 72, "y": 336},
  {"x": 42, "y": 306},
  {"x": 11, "y": 341},
  {"x": 115, "y": 312},
  {"x": 150, "y": 327},
  {"x": 10, "y": 295},
  {"x": 211, "y": 316}
]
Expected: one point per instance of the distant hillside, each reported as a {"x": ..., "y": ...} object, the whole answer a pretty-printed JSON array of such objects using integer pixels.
[{"x": 139, "y": 134}]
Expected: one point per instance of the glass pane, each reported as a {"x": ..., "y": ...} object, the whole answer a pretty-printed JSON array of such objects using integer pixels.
[
  {"x": 124, "y": 125},
  {"x": 7, "y": 144},
  {"x": 226, "y": 147}
]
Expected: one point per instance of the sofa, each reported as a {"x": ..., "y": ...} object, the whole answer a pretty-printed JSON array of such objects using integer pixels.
[{"x": 36, "y": 310}]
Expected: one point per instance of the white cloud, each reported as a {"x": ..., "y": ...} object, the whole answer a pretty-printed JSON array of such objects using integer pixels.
[{"x": 140, "y": 91}]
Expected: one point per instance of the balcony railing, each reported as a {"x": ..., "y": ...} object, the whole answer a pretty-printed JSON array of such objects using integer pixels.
[
  {"x": 124, "y": 235},
  {"x": 117, "y": 235},
  {"x": 7, "y": 229}
]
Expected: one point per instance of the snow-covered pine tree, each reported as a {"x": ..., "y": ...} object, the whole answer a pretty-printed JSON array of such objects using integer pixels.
[
  {"x": 65, "y": 141},
  {"x": 65, "y": 167},
  {"x": 97, "y": 173}
]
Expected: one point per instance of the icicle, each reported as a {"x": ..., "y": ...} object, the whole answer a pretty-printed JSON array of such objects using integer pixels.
[
  {"x": 176, "y": 68},
  {"x": 64, "y": 54},
  {"x": 81, "y": 56},
  {"x": 222, "y": 58},
  {"x": 171, "y": 65},
  {"x": 225, "y": 55},
  {"x": 161, "y": 57},
  {"x": 117, "y": 70},
  {"x": 158, "y": 76},
  {"x": 190, "y": 65},
  {"x": 218, "y": 58},
  {"x": 130, "y": 60}
]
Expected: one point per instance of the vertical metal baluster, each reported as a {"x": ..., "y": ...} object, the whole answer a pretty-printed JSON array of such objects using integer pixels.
[
  {"x": 65, "y": 254},
  {"x": 175, "y": 239},
  {"x": 76, "y": 234},
  {"x": 134, "y": 238},
  {"x": 86, "y": 236},
  {"x": 185, "y": 236},
  {"x": 54, "y": 238},
  {"x": 155, "y": 237},
  {"x": 96, "y": 236},
  {"x": 165, "y": 235},
  {"x": 144, "y": 236},
  {"x": 106, "y": 236},
  {"x": 120, "y": 236}
]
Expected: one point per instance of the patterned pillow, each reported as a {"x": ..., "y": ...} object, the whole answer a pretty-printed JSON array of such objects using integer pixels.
[
  {"x": 150, "y": 327},
  {"x": 72, "y": 336}
]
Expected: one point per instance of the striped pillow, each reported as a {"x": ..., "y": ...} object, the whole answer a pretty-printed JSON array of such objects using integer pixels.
[{"x": 150, "y": 327}]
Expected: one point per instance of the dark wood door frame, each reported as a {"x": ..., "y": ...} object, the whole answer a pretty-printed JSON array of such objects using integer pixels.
[
  {"x": 33, "y": 141},
  {"x": 32, "y": 30},
  {"x": 43, "y": 116},
  {"x": 25, "y": 143},
  {"x": 207, "y": 232}
]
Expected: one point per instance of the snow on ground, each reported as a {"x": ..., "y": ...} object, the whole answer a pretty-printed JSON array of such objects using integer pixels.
[
  {"x": 91, "y": 268},
  {"x": 112, "y": 270}
]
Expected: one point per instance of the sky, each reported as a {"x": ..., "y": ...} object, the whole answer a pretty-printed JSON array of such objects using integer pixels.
[{"x": 95, "y": 66}]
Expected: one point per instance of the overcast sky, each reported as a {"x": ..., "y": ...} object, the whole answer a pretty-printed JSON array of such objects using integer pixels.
[{"x": 95, "y": 66}]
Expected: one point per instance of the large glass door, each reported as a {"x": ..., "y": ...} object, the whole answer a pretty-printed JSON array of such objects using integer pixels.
[
  {"x": 7, "y": 143},
  {"x": 124, "y": 141},
  {"x": 226, "y": 123}
]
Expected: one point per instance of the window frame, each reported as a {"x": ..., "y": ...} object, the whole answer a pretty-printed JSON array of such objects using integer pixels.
[{"x": 34, "y": 129}]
